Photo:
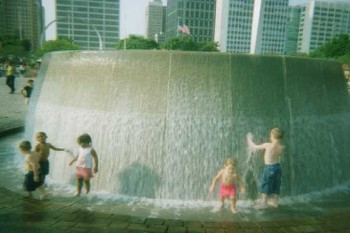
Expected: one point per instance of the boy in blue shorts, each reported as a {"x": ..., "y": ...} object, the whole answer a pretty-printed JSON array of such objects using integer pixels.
[{"x": 271, "y": 179}]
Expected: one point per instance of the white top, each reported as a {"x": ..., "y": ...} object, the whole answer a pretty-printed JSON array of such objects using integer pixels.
[{"x": 84, "y": 157}]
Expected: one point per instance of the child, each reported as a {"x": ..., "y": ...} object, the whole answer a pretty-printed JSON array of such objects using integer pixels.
[
  {"x": 27, "y": 91},
  {"x": 33, "y": 179},
  {"x": 43, "y": 149},
  {"x": 271, "y": 179},
  {"x": 228, "y": 188},
  {"x": 10, "y": 77},
  {"x": 86, "y": 160}
]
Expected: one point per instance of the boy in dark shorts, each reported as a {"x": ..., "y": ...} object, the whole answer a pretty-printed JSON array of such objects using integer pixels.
[
  {"x": 43, "y": 149},
  {"x": 271, "y": 179},
  {"x": 27, "y": 91},
  {"x": 33, "y": 179}
]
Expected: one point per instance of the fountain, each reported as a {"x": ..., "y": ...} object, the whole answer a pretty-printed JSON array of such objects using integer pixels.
[{"x": 163, "y": 122}]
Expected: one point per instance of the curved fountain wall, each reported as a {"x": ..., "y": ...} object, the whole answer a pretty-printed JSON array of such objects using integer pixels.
[{"x": 163, "y": 123}]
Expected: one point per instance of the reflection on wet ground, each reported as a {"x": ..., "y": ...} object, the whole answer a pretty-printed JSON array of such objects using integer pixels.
[{"x": 315, "y": 205}]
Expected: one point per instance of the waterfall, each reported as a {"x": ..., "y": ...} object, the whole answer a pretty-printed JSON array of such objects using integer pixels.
[{"x": 163, "y": 123}]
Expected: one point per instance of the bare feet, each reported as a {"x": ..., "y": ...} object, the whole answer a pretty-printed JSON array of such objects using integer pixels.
[
  {"x": 44, "y": 195},
  {"x": 233, "y": 210},
  {"x": 260, "y": 206},
  {"x": 77, "y": 194},
  {"x": 272, "y": 204}
]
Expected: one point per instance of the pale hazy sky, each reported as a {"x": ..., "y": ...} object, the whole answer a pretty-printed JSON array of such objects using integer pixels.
[{"x": 132, "y": 16}]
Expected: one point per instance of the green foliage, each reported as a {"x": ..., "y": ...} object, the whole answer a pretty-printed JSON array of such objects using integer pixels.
[
  {"x": 12, "y": 45},
  {"x": 208, "y": 46},
  {"x": 334, "y": 49},
  {"x": 56, "y": 45},
  {"x": 136, "y": 42},
  {"x": 183, "y": 43},
  {"x": 302, "y": 55},
  {"x": 186, "y": 43}
]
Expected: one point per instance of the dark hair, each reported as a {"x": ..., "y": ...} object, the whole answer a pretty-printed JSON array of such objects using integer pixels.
[
  {"x": 84, "y": 138},
  {"x": 25, "y": 145}
]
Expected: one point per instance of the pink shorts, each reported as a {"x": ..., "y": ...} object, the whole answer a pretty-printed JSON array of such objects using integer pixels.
[
  {"x": 228, "y": 190},
  {"x": 84, "y": 173}
]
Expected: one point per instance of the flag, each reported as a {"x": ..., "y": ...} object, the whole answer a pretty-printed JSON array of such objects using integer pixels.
[{"x": 184, "y": 29}]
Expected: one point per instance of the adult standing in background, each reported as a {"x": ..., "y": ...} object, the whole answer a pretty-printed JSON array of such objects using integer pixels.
[{"x": 10, "y": 77}]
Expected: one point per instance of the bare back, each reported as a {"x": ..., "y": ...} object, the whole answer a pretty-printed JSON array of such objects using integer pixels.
[
  {"x": 31, "y": 162},
  {"x": 273, "y": 152}
]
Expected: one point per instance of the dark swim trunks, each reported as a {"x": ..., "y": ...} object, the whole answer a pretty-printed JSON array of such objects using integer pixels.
[
  {"x": 44, "y": 167},
  {"x": 29, "y": 183},
  {"x": 271, "y": 179}
]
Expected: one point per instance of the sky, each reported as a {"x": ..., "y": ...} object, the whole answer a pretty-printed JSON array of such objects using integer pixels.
[{"x": 132, "y": 16}]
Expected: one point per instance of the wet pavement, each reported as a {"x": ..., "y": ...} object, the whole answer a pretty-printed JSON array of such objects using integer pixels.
[{"x": 68, "y": 214}]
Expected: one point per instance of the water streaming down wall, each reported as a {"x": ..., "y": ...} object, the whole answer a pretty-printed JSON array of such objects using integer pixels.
[{"x": 163, "y": 123}]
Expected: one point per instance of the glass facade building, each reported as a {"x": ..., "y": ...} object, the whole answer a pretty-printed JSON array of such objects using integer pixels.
[
  {"x": 22, "y": 18},
  {"x": 293, "y": 25},
  {"x": 91, "y": 24},
  {"x": 320, "y": 21},
  {"x": 251, "y": 26},
  {"x": 154, "y": 20},
  {"x": 197, "y": 15}
]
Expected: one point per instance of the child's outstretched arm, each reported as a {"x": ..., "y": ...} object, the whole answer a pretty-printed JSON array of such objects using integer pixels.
[
  {"x": 73, "y": 160},
  {"x": 94, "y": 156},
  {"x": 253, "y": 145},
  {"x": 56, "y": 148},
  {"x": 212, "y": 186}
]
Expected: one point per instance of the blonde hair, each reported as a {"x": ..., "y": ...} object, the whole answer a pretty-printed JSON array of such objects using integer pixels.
[
  {"x": 277, "y": 133},
  {"x": 230, "y": 162}
]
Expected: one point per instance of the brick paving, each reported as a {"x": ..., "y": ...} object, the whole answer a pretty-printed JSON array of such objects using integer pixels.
[
  {"x": 12, "y": 107},
  {"x": 59, "y": 214}
]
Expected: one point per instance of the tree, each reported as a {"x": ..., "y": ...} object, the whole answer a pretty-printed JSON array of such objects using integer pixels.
[
  {"x": 136, "y": 42},
  {"x": 337, "y": 47},
  {"x": 12, "y": 45},
  {"x": 208, "y": 46},
  {"x": 56, "y": 45},
  {"x": 184, "y": 43}
]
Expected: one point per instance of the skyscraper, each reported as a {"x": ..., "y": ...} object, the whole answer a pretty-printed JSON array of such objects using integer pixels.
[
  {"x": 293, "y": 25},
  {"x": 22, "y": 18},
  {"x": 91, "y": 24},
  {"x": 197, "y": 15},
  {"x": 233, "y": 26},
  {"x": 322, "y": 20},
  {"x": 251, "y": 26},
  {"x": 154, "y": 20}
]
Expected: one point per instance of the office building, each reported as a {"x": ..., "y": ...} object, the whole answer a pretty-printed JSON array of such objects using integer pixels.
[
  {"x": 91, "y": 24},
  {"x": 251, "y": 26},
  {"x": 321, "y": 21},
  {"x": 22, "y": 18},
  {"x": 154, "y": 20},
  {"x": 197, "y": 15},
  {"x": 293, "y": 25}
]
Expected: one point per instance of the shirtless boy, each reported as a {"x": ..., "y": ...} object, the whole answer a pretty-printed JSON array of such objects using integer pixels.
[
  {"x": 271, "y": 179},
  {"x": 43, "y": 149},
  {"x": 229, "y": 179},
  {"x": 33, "y": 179}
]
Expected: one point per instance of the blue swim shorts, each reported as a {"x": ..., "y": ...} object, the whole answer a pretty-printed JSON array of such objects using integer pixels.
[{"x": 271, "y": 179}]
